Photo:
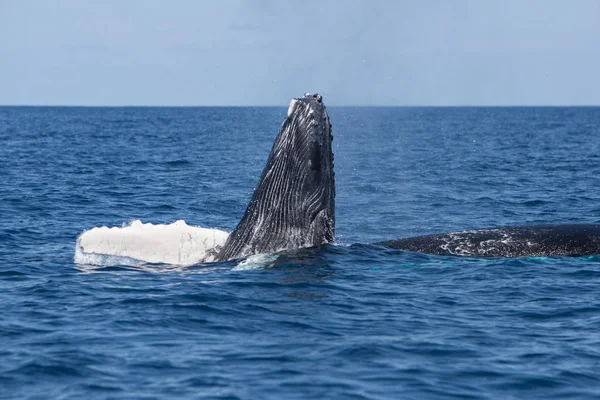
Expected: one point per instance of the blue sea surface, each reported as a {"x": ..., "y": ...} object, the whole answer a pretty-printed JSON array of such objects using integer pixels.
[{"x": 345, "y": 321}]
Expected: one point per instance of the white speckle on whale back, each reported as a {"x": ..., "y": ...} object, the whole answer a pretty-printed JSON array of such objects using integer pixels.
[
  {"x": 291, "y": 107},
  {"x": 177, "y": 243}
]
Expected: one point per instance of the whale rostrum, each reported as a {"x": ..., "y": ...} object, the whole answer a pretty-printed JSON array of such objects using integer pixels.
[{"x": 293, "y": 205}]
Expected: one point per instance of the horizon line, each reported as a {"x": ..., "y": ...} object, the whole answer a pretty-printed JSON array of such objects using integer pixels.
[{"x": 285, "y": 106}]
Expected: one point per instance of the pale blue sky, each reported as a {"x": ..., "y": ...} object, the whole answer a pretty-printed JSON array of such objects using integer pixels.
[{"x": 264, "y": 52}]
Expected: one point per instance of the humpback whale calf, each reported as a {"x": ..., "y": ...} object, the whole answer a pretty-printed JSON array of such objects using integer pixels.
[{"x": 293, "y": 205}]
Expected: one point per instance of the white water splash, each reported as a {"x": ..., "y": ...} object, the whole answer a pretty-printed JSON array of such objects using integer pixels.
[
  {"x": 257, "y": 261},
  {"x": 137, "y": 243}
]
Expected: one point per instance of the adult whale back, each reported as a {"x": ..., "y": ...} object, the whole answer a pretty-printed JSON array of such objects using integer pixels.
[
  {"x": 293, "y": 204},
  {"x": 512, "y": 241}
]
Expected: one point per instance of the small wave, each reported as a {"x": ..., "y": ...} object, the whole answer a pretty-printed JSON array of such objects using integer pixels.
[
  {"x": 137, "y": 244},
  {"x": 178, "y": 163}
]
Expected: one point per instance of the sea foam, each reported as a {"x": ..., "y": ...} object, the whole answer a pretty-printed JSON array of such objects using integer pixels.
[{"x": 136, "y": 243}]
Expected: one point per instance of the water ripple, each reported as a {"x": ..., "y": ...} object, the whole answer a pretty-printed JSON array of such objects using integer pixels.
[{"x": 352, "y": 321}]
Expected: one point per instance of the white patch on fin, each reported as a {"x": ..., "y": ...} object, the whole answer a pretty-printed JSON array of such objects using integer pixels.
[{"x": 177, "y": 243}]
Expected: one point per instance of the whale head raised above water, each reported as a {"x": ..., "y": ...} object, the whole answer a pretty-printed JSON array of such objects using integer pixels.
[{"x": 293, "y": 205}]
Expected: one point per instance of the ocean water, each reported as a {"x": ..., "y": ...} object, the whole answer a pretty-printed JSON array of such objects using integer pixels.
[{"x": 347, "y": 321}]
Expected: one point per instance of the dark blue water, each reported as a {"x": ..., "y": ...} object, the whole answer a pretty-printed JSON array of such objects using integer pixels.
[{"x": 349, "y": 321}]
